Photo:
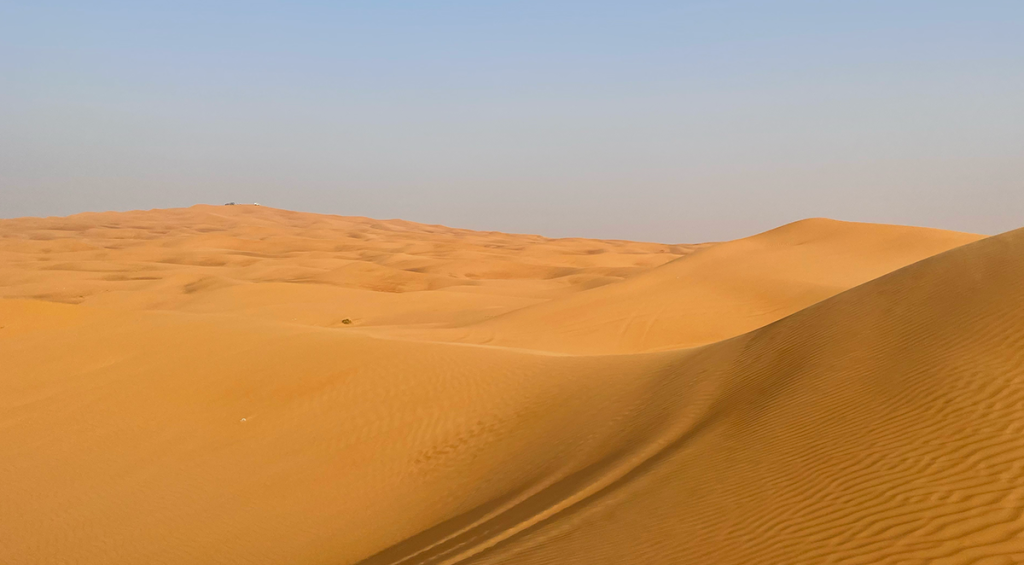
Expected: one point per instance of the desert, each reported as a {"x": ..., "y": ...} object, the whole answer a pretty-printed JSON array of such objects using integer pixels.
[
  {"x": 512, "y": 283},
  {"x": 244, "y": 384}
]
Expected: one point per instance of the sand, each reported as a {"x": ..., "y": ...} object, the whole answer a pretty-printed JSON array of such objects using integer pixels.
[{"x": 249, "y": 385}]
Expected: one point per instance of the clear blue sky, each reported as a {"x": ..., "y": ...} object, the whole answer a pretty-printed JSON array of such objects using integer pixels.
[{"x": 670, "y": 121}]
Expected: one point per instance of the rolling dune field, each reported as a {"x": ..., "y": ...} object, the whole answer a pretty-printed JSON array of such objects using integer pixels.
[{"x": 250, "y": 385}]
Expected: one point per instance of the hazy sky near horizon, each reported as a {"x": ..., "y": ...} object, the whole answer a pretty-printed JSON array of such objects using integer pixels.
[{"x": 667, "y": 121}]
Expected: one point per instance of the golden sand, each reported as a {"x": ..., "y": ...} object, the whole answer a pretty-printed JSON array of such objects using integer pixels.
[{"x": 250, "y": 385}]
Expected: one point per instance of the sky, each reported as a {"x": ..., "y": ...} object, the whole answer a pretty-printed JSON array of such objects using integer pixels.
[{"x": 659, "y": 121}]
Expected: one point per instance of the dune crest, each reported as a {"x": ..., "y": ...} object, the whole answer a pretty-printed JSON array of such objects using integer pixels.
[
  {"x": 179, "y": 386},
  {"x": 719, "y": 291}
]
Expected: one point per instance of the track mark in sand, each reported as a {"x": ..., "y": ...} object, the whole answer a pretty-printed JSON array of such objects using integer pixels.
[
  {"x": 491, "y": 525},
  {"x": 650, "y": 324}
]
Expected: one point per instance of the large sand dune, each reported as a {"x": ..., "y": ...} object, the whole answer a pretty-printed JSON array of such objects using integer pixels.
[
  {"x": 720, "y": 291},
  {"x": 181, "y": 386}
]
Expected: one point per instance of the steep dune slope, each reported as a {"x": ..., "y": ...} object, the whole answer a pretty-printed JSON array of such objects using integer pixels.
[
  {"x": 881, "y": 426},
  {"x": 718, "y": 292}
]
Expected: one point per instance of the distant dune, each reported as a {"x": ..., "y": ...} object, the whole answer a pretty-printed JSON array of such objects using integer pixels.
[
  {"x": 249, "y": 385},
  {"x": 721, "y": 291}
]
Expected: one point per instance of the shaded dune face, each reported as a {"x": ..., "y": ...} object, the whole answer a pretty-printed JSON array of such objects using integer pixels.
[
  {"x": 178, "y": 386},
  {"x": 880, "y": 426}
]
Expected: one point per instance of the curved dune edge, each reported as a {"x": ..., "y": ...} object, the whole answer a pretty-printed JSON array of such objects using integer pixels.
[
  {"x": 880, "y": 426},
  {"x": 232, "y": 424}
]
